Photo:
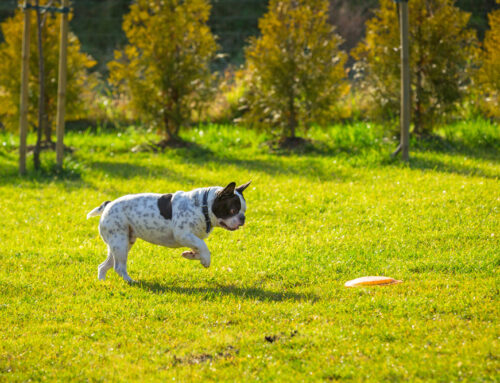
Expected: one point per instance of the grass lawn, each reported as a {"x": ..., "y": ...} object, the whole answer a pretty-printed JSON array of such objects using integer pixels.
[{"x": 273, "y": 306}]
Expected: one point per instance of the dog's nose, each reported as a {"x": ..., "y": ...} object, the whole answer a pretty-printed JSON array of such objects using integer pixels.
[{"x": 242, "y": 219}]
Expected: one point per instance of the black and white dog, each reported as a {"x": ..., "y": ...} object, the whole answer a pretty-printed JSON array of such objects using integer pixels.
[{"x": 182, "y": 219}]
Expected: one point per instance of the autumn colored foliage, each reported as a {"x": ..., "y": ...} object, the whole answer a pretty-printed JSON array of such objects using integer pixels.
[
  {"x": 295, "y": 68},
  {"x": 164, "y": 68},
  {"x": 488, "y": 75},
  {"x": 441, "y": 52},
  {"x": 78, "y": 79}
]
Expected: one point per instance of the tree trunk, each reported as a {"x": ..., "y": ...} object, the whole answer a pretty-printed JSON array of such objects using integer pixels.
[
  {"x": 166, "y": 125},
  {"x": 292, "y": 118},
  {"x": 47, "y": 126},
  {"x": 418, "y": 86},
  {"x": 177, "y": 113}
]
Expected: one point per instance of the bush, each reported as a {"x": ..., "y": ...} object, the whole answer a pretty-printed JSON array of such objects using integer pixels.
[
  {"x": 488, "y": 75},
  {"x": 225, "y": 106},
  {"x": 441, "y": 51},
  {"x": 79, "y": 82},
  {"x": 295, "y": 69},
  {"x": 164, "y": 69}
]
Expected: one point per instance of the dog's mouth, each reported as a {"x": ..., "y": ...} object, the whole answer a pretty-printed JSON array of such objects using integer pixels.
[{"x": 227, "y": 227}]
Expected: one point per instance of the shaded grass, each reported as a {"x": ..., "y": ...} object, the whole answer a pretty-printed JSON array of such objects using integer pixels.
[{"x": 272, "y": 306}]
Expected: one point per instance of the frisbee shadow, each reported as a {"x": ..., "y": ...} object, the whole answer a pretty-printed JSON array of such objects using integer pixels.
[{"x": 215, "y": 292}]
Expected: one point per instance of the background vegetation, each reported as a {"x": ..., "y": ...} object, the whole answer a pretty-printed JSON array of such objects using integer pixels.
[
  {"x": 442, "y": 52},
  {"x": 488, "y": 75},
  {"x": 165, "y": 68},
  {"x": 169, "y": 88},
  {"x": 81, "y": 84},
  {"x": 295, "y": 68},
  {"x": 97, "y": 23}
]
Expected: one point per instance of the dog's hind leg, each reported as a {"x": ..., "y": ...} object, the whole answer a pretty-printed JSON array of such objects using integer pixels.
[
  {"x": 105, "y": 266},
  {"x": 119, "y": 243},
  {"x": 120, "y": 249}
]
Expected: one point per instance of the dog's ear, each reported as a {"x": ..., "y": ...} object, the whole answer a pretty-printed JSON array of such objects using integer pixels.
[
  {"x": 241, "y": 188},
  {"x": 228, "y": 190}
]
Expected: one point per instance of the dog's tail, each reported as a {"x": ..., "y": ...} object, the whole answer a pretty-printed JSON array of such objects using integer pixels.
[{"x": 98, "y": 210}]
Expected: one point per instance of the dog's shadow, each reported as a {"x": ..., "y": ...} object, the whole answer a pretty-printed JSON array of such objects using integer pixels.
[{"x": 215, "y": 292}]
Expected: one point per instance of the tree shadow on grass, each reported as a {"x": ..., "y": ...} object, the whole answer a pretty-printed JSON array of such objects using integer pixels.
[
  {"x": 127, "y": 170},
  {"x": 484, "y": 147},
  {"x": 213, "y": 293},
  {"x": 452, "y": 168},
  {"x": 9, "y": 173},
  {"x": 305, "y": 166},
  {"x": 481, "y": 148},
  {"x": 70, "y": 176}
]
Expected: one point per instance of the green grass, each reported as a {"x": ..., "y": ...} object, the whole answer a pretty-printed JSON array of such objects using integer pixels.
[{"x": 338, "y": 211}]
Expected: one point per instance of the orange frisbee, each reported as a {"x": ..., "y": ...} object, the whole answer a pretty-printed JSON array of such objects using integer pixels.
[{"x": 371, "y": 281}]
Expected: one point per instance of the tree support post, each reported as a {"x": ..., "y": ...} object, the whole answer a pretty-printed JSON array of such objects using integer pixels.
[
  {"x": 404, "y": 119},
  {"x": 61, "y": 86},
  {"x": 23, "y": 109}
]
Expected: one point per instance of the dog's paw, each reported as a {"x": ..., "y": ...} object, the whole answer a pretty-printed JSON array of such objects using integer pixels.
[
  {"x": 205, "y": 262},
  {"x": 191, "y": 255}
]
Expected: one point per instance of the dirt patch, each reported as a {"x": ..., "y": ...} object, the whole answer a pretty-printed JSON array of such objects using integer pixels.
[
  {"x": 227, "y": 353},
  {"x": 274, "y": 338},
  {"x": 271, "y": 338}
]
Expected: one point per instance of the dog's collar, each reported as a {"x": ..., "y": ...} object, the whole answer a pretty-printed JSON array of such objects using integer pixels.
[{"x": 205, "y": 210}]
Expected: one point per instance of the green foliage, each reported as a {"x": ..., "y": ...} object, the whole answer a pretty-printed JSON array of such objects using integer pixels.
[
  {"x": 295, "y": 68},
  {"x": 165, "y": 66},
  {"x": 79, "y": 82},
  {"x": 488, "y": 75},
  {"x": 441, "y": 50},
  {"x": 314, "y": 221}
]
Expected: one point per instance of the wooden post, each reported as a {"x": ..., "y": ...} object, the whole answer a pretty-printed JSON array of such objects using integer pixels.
[
  {"x": 41, "y": 88},
  {"x": 61, "y": 89},
  {"x": 23, "y": 109},
  {"x": 405, "y": 81},
  {"x": 404, "y": 118}
]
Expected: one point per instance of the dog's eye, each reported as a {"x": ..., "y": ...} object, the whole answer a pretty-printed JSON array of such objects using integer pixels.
[{"x": 233, "y": 211}]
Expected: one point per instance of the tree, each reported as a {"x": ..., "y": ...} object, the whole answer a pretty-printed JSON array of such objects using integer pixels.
[
  {"x": 79, "y": 81},
  {"x": 488, "y": 75},
  {"x": 164, "y": 69},
  {"x": 295, "y": 68},
  {"x": 441, "y": 52}
]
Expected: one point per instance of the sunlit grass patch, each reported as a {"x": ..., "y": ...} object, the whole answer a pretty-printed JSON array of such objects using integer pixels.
[{"x": 273, "y": 305}]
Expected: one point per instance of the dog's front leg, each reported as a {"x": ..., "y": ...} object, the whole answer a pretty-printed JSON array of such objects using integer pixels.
[{"x": 199, "y": 249}]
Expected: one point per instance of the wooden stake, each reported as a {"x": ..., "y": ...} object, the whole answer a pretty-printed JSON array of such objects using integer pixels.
[
  {"x": 405, "y": 81},
  {"x": 61, "y": 89},
  {"x": 41, "y": 87},
  {"x": 23, "y": 109}
]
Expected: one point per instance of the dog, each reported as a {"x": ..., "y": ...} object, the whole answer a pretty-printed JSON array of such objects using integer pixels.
[{"x": 182, "y": 219}]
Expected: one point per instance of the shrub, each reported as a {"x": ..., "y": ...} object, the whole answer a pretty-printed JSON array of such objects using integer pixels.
[
  {"x": 164, "y": 69},
  {"x": 488, "y": 75},
  {"x": 441, "y": 49},
  {"x": 79, "y": 82},
  {"x": 295, "y": 69}
]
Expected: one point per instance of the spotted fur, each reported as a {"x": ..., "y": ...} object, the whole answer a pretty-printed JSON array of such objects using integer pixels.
[{"x": 171, "y": 220}]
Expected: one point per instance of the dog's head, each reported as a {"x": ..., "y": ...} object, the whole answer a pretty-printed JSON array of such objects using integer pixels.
[{"x": 229, "y": 206}]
